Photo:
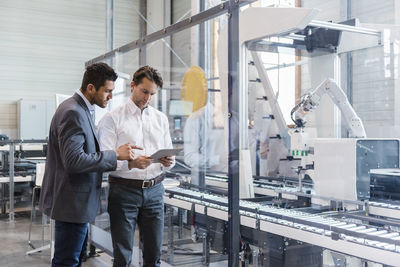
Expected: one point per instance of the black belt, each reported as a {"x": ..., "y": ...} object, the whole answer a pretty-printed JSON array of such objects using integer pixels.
[{"x": 137, "y": 183}]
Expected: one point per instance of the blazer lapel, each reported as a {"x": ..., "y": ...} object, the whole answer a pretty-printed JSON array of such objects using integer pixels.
[
  {"x": 92, "y": 126},
  {"x": 83, "y": 104}
]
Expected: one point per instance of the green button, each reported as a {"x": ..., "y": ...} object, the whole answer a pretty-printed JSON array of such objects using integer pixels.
[
  {"x": 306, "y": 153},
  {"x": 302, "y": 153},
  {"x": 292, "y": 152},
  {"x": 297, "y": 152}
]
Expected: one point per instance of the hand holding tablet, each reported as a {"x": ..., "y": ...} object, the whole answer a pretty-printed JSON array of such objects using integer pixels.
[{"x": 165, "y": 153}]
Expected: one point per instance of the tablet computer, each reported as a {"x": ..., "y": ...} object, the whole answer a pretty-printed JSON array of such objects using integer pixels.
[{"x": 165, "y": 153}]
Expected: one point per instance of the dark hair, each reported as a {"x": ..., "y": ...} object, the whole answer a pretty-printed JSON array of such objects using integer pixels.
[
  {"x": 147, "y": 72},
  {"x": 97, "y": 74}
]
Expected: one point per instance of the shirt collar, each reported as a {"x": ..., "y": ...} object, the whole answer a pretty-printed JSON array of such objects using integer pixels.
[
  {"x": 89, "y": 106},
  {"x": 135, "y": 109}
]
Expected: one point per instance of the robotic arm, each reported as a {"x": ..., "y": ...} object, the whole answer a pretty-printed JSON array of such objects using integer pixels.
[{"x": 312, "y": 100}]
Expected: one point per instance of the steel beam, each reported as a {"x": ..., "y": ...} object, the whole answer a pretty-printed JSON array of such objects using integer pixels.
[
  {"x": 269, "y": 92},
  {"x": 110, "y": 25},
  {"x": 233, "y": 109},
  {"x": 11, "y": 183},
  {"x": 174, "y": 28},
  {"x": 343, "y": 27}
]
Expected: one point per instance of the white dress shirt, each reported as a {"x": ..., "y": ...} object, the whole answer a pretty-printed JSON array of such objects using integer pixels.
[
  {"x": 90, "y": 106},
  {"x": 148, "y": 129}
]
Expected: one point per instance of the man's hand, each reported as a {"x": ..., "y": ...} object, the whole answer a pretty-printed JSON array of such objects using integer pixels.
[
  {"x": 126, "y": 152},
  {"x": 166, "y": 161},
  {"x": 141, "y": 162}
]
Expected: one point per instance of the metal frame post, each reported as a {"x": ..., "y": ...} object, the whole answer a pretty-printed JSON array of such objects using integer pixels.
[
  {"x": 142, "y": 55},
  {"x": 201, "y": 61},
  {"x": 265, "y": 254},
  {"x": 255, "y": 256},
  {"x": 243, "y": 98},
  {"x": 143, "y": 32},
  {"x": 11, "y": 181},
  {"x": 110, "y": 25},
  {"x": 170, "y": 253},
  {"x": 201, "y": 57},
  {"x": 349, "y": 67},
  {"x": 180, "y": 223},
  {"x": 233, "y": 107},
  {"x": 142, "y": 23},
  {"x": 3, "y": 199},
  {"x": 206, "y": 249}
]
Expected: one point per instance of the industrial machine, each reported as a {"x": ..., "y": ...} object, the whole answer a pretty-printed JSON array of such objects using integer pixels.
[
  {"x": 330, "y": 195},
  {"x": 318, "y": 211},
  {"x": 384, "y": 184},
  {"x": 24, "y": 153},
  {"x": 339, "y": 167},
  {"x": 18, "y": 159},
  {"x": 311, "y": 100}
]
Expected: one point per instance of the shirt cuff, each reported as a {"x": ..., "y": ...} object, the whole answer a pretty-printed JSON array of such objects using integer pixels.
[{"x": 122, "y": 165}]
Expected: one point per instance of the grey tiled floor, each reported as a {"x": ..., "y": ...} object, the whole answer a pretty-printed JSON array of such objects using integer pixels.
[{"x": 14, "y": 244}]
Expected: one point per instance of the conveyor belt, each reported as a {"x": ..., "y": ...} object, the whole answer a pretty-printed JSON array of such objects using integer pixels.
[
  {"x": 262, "y": 187},
  {"x": 384, "y": 209},
  {"x": 364, "y": 241}
]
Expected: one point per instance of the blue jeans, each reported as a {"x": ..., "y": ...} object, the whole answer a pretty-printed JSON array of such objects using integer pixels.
[
  {"x": 127, "y": 206},
  {"x": 69, "y": 239}
]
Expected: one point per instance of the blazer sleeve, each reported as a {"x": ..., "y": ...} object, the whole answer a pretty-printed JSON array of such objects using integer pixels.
[{"x": 71, "y": 138}]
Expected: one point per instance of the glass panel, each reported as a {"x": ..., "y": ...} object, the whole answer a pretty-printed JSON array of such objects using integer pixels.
[
  {"x": 193, "y": 106},
  {"x": 193, "y": 102},
  {"x": 312, "y": 108},
  {"x": 318, "y": 170},
  {"x": 372, "y": 88}
]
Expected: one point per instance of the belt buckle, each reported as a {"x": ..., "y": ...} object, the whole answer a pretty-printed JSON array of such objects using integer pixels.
[{"x": 148, "y": 183}]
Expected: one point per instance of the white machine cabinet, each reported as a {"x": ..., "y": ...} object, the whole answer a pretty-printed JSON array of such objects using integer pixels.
[{"x": 342, "y": 166}]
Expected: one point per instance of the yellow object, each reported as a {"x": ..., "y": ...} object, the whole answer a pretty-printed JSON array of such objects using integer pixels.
[{"x": 194, "y": 88}]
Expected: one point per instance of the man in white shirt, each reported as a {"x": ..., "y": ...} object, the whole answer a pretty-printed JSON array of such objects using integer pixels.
[{"x": 136, "y": 192}]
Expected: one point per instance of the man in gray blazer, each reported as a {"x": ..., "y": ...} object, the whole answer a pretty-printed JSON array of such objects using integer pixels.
[{"x": 71, "y": 186}]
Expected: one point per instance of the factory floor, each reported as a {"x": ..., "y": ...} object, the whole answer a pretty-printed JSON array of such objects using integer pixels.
[{"x": 14, "y": 245}]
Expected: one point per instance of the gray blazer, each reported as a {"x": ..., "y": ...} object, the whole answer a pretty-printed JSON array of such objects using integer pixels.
[{"x": 74, "y": 165}]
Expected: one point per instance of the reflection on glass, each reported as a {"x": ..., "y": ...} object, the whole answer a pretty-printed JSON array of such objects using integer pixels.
[{"x": 204, "y": 140}]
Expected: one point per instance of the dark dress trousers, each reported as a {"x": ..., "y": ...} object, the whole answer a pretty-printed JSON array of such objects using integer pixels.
[{"x": 74, "y": 165}]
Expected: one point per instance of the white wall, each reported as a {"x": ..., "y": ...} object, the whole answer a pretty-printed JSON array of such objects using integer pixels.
[
  {"x": 126, "y": 21},
  {"x": 44, "y": 45},
  {"x": 370, "y": 11}
]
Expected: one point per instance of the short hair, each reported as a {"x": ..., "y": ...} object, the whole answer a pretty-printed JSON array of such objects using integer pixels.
[
  {"x": 150, "y": 73},
  {"x": 97, "y": 74}
]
